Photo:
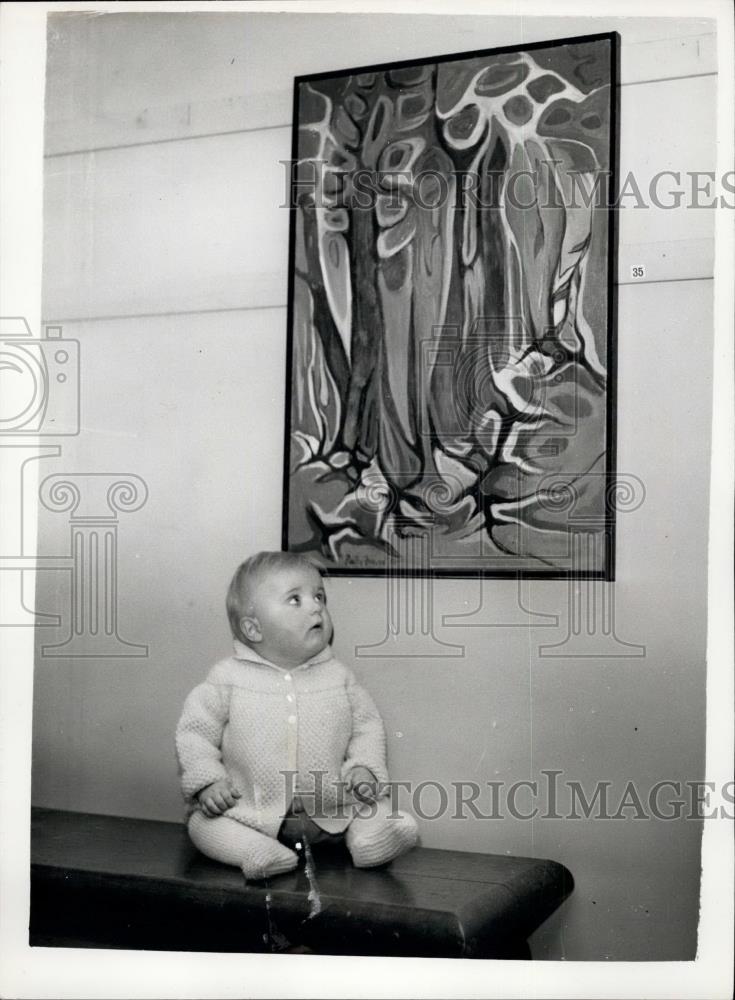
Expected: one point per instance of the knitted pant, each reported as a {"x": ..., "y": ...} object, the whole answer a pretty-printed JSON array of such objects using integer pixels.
[{"x": 372, "y": 839}]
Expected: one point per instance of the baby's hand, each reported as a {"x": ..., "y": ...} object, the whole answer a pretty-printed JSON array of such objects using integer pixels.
[
  {"x": 217, "y": 798},
  {"x": 362, "y": 783}
]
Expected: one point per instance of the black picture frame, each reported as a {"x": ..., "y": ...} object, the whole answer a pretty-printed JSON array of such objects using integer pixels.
[{"x": 410, "y": 550}]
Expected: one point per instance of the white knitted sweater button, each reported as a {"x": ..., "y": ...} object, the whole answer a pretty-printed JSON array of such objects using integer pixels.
[
  {"x": 292, "y": 719},
  {"x": 287, "y": 677}
]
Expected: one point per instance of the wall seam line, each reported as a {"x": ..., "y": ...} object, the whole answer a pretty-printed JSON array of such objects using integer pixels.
[
  {"x": 232, "y": 309},
  {"x": 272, "y": 128}
]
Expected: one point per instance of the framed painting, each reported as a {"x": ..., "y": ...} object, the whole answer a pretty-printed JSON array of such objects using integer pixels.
[{"x": 451, "y": 365}]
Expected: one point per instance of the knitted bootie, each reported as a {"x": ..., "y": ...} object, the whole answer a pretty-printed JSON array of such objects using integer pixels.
[
  {"x": 268, "y": 857},
  {"x": 233, "y": 843},
  {"x": 375, "y": 844}
]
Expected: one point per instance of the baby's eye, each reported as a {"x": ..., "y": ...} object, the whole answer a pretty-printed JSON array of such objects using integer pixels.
[
  {"x": 294, "y": 599},
  {"x": 321, "y": 597}
]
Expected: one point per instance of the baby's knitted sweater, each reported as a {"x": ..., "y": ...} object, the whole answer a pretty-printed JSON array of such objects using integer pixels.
[{"x": 270, "y": 731}]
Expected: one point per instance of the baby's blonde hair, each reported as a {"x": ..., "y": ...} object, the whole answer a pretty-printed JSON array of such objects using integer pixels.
[{"x": 248, "y": 574}]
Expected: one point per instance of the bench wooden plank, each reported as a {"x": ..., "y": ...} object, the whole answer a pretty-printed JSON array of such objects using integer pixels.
[{"x": 105, "y": 881}]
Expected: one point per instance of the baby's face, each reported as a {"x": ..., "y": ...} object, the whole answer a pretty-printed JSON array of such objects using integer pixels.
[{"x": 290, "y": 609}]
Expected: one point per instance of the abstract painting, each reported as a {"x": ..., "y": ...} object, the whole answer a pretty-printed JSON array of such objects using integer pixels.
[{"x": 450, "y": 325}]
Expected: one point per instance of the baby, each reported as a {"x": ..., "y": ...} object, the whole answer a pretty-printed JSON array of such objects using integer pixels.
[{"x": 280, "y": 747}]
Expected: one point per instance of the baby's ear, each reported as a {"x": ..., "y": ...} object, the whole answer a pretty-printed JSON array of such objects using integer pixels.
[{"x": 251, "y": 628}]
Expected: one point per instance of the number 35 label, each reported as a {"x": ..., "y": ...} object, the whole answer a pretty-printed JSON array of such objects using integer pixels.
[{"x": 637, "y": 271}]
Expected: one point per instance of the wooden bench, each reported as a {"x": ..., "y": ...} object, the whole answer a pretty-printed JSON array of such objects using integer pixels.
[{"x": 108, "y": 882}]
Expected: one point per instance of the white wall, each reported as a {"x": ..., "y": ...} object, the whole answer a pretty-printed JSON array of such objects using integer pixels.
[{"x": 165, "y": 256}]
